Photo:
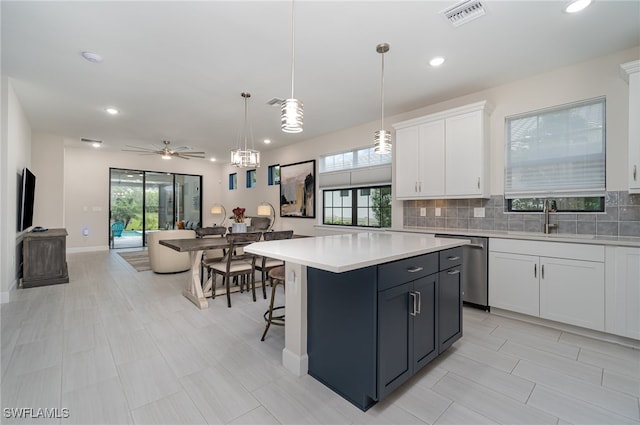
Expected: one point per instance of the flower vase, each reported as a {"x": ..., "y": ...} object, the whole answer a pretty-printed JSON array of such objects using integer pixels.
[{"x": 238, "y": 227}]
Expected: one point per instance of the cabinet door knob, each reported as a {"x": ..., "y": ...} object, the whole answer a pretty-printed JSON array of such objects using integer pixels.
[
  {"x": 414, "y": 269},
  {"x": 535, "y": 270},
  {"x": 478, "y": 182},
  {"x": 635, "y": 172},
  {"x": 542, "y": 271},
  {"x": 413, "y": 301}
]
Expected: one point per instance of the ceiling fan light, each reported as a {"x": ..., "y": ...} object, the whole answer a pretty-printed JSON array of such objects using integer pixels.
[
  {"x": 166, "y": 156},
  {"x": 292, "y": 116},
  {"x": 382, "y": 142}
]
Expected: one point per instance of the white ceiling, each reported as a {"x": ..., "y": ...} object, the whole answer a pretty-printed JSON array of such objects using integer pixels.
[{"x": 176, "y": 69}]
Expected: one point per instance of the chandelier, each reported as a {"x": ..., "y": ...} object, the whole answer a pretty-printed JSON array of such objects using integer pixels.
[{"x": 243, "y": 157}]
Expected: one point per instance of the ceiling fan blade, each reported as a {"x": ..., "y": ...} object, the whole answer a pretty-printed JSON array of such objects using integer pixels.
[{"x": 181, "y": 148}]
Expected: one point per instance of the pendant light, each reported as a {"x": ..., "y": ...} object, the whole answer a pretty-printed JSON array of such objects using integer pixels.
[
  {"x": 245, "y": 158},
  {"x": 291, "y": 112},
  {"x": 382, "y": 138}
]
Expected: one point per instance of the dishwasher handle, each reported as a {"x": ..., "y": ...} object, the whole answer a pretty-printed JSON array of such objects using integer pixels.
[{"x": 475, "y": 245}]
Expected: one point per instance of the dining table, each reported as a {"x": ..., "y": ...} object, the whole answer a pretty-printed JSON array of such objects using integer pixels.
[{"x": 194, "y": 291}]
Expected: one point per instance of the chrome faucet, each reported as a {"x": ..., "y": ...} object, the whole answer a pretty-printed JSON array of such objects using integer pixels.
[{"x": 548, "y": 207}]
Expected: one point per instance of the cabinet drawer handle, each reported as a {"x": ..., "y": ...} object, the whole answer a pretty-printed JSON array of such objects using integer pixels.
[
  {"x": 456, "y": 258},
  {"x": 419, "y": 301},
  {"x": 635, "y": 172},
  {"x": 453, "y": 272},
  {"x": 535, "y": 270},
  {"x": 478, "y": 182},
  {"x": 415, "y": 187},
  {"x": 413, "y": 310},
  {"x": 414, "y": 269}
]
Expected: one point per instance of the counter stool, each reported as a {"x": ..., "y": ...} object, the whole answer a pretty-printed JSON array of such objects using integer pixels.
[{"x": 276, "y": 275}]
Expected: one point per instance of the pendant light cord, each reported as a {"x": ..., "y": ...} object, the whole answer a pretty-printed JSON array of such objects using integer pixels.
[
  {"x": 293, "y": 46},
  {"x": 382, "y": 95}
]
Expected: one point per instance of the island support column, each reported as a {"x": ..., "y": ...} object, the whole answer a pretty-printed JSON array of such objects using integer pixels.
[{"x": 294, "y": 355}]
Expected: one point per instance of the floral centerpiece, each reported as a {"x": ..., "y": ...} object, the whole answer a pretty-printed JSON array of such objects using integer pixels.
[
  {"x": 238, "y": 214},
  {"x": 238, "y": 226}
]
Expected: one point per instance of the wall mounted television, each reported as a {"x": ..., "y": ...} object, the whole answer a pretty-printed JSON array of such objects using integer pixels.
[{"x": 27, "y": 197}]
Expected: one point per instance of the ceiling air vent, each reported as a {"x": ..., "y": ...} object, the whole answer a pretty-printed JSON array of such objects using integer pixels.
[
  {"x": 463, "y": 12},
  {"x": 276, "y": 101}
]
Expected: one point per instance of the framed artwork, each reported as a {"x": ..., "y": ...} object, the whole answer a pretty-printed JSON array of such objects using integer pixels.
[{"x": 298, "y": 189}]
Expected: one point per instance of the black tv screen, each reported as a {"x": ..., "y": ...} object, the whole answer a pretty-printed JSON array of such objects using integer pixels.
[{"x": 26, "y": 199}]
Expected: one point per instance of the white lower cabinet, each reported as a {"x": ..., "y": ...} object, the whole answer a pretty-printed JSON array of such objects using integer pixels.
[
  {"x": 623, "y": 291},
  {"x": 556, "y": 281},
  {"x": 513, "y": 282},
  {"x": 572, "y": 291}
]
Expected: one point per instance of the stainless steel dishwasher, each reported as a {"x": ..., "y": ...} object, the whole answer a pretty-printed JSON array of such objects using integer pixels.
[{"x": 474, "y": 271}]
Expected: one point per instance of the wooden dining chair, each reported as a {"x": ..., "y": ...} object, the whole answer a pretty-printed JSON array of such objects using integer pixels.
[
  {"x": 210, "y": 255},
  {"x": 265, "y": 264},
  {"x": 233, "y": 265}
]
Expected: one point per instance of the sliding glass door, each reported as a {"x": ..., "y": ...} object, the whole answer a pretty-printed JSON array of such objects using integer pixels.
[{"x": 147, "y": 201}]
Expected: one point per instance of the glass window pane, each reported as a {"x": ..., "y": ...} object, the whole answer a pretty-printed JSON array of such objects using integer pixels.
[{"x": 346, "y": 216}]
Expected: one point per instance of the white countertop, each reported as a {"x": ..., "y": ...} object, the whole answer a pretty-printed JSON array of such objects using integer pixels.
[
  {"x": 341, "y": 253},
  {"x": 533, "y": 236}
]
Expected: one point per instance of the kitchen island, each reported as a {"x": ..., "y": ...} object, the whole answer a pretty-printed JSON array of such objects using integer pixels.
[{"x": 365, "y": 311}]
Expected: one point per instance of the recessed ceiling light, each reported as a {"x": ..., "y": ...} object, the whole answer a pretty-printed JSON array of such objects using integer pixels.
[
  {"x": 112, "y": 111},
  {"x": 577, "y": 6},
  {"x": 267, "y": 141},
  {"x": 92, "y": 57},
  {"x": 212, "y": 159},
  {"x": 437, "y": 61}
]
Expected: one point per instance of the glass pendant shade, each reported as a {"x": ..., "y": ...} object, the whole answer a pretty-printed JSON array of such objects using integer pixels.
[
  {"x": 292, "y": 116},
  {"x": 244, "y": 157},
  {"x": 382, "y": 137},
  {"x": 382, "y": 142}
]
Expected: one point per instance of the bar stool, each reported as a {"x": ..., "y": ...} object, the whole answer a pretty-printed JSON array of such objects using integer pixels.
[{"x": 276, "y": 275}]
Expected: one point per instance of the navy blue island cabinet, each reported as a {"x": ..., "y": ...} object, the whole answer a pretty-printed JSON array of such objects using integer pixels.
[{"x": 371, "y": 329}]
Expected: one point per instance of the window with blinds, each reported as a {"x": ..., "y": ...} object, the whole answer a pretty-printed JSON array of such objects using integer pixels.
[{"x": 558, "y": 152}]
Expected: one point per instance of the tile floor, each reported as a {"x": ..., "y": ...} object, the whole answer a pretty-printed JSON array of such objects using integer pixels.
[{"x": 116, "y": 346}]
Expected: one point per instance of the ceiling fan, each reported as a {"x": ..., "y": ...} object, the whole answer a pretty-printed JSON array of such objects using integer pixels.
[{"x": 167, "y": 152}]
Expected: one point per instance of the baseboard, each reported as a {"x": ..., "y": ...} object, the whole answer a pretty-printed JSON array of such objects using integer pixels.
[
  {"x": 590, "y": 333},
  {"x": 88, "y": 249},
  {"x": 5, "y": 296}
]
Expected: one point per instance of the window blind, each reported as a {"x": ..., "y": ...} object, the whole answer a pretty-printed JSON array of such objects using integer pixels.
[{"x": 557, "y": 151}]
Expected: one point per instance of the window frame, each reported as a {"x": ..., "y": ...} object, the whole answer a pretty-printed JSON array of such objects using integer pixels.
[
  {"x": 272, "y": 179},
  {"x": 251, "y": 179},
  {"x": 233, "y": 181},
  {"x": 577, "y": 197},
  {"x": 354, "y": 207}
]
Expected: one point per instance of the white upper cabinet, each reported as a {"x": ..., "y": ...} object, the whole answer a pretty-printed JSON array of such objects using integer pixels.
[
  {"x": 631, "y": 73},
  {"x": 443, "y": 155},
  {"x": 420, "y": 161}
]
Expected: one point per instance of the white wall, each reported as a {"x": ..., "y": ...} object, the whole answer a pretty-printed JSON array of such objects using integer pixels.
[
  {"x": 87, "y": 165},
  {"x": 47, "y": 163},
  {"x": 599, "y": 77},
  {"x": 15, "y": 154}
]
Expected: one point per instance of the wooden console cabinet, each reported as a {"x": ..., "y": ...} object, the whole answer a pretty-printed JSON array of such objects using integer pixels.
[{"x": 44, "y": 258}]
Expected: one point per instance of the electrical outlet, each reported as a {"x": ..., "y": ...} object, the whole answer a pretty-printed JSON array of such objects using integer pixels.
[
  {"x": 438, "y": 212},
  {"x": 423, "y": 212},
  {"x": 478, "y": 212}
]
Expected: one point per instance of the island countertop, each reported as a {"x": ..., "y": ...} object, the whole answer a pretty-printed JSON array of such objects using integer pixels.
[{"x": 345, "y": 252}]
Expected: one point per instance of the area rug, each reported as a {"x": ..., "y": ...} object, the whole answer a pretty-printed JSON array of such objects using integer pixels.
[{"x": 139, "y": 260}]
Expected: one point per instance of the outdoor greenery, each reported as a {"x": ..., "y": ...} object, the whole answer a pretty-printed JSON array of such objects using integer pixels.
[
  {"x": 588, "y": 204},
  {"x": 126, "y": 206}
]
